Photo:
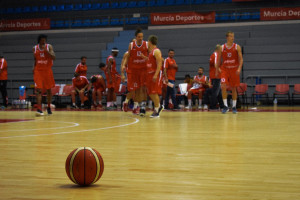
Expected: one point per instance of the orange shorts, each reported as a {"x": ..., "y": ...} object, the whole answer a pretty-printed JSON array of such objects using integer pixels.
[
  {"x": 154, "y": 87},
  {"x": 100, "y": 89},
  {"x": 230, "y": 77},
  {"x": 116, "y": 81},
  {"x": 136, "y": 79},
  {"x": 44, "y": 79},
  {"x": 196, "y": 91}
]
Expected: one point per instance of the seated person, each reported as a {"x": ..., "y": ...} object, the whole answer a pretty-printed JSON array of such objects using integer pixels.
[
  {"x": 99, "y": 87},
  {"x": 80, "y": 86},
  {"x": 207, "y": 99},
  {"x": 200, "y": 82}
]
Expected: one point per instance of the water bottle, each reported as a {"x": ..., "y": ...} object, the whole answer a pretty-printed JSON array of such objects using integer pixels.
[
  {"x": 22, "y": 93},
  {"x": 275, "y": 102}
]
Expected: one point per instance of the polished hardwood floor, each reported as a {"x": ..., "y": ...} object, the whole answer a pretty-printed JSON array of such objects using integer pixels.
[{"x": 181, "y": 155}]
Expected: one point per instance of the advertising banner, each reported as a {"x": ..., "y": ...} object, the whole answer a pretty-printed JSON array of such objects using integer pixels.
[
  {"x": 279, "y": 13},
  {"x": 25, "y": 24}
]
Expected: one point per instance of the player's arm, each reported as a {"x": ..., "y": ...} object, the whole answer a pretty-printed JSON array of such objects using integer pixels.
[
  {"x": 2, "y": 66},
  {"x": 109, "y": 64},
  {"x": 218, "y": 64},
  {"x": 157, "y": 55},
  {"x": 123, "y": 64},
  {"x": 51, "y": 52},
  {"x": 102, "y": 82},
  {"x": 240, "y": 55},
  {"x": 33, "y": 67},
  {"x": 165, "y": 69}
]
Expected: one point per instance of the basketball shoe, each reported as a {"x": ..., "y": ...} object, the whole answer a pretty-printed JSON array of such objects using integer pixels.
[
  {"x": 142, "y": 112},
  {"x": 39, "y": 113},
  {"x": 49, "y": 111},
  {"x": 225, "y": 110},
  {"x": 136, "y": 111},
  {"x": 234, "y": 110},
  {"x": 125, "y": 106}
]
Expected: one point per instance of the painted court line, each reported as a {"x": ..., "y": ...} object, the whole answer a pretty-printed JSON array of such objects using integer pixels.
[{"x": 60, "y": 133}]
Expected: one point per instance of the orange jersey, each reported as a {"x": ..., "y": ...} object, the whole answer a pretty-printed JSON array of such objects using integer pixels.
[
  {"x": 151, "y": 62},
  {"x": 135, "y": 59},
  {"x": 43, "y": 61},
  {"x": 171, "y": 71},
  {"x": 80, "y": 83},
  {"x": 113, "y": 69},
  {"x": 3, "y": 69},
  {"x": 98, "y": 84},
  {"x": 81, "y": 69},
  {"x": 203, "y": 79},
  {"x": 212, "y": 69},
  {"x": 230, "y": 56}
]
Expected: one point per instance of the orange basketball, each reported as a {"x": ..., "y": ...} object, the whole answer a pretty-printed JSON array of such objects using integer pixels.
[{"x": 84, "y": 166}]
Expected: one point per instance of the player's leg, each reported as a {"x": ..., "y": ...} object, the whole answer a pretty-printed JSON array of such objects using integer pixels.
[
  {"x": 94, "y": 97},
  {"x": 49, "y": 99},
  {"x": 81, "y": 96},
  {"x": 3, "y": 89},
  {"x": 73, "y": 97},
  {"x": 143, "y": 92},
  {"x": 189, "y": 96},
  {"x": 215, "y": 92},
  {"x": 200, "y": 96},
  {"x": 224, "y": 82},
  {"x": 114, "y": 98},
  {"x": 234, "y": 100},
  {"x": 99, "y": 94},
  {"x": 38, "y": 93}
]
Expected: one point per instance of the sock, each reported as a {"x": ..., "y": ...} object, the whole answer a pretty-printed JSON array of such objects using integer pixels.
[
  {"x": 149, "y": 103},
  {"x": 82, "y": 104},
  {"x": 200, "y": 102},
  {"x": 126, "y": 100},
  {"x": 164, "y": 102},
  {"x": 190, "y": 102},
  {"x": 39, "y": 106},
  {"x": 115, "y": 103},
  {"x": 100, "y": 103},
  {"x": 108, "y": 104},
  {"x": 143, "y": 104},
  {"x": 156, "y": 109},
  {"x": 225, "y": 102},
  {"x": 233, "y": 103},
  {"x": 135, "y": 105},
  {"x": 170, "y": 101},
  {"x": 95, "y": 102}
]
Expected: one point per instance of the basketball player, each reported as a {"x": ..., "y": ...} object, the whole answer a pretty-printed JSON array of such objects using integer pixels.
[
  {"x": 80, "y": 85},
  {"x": 137, "y": 64},
  {"x": 170, "y": 69},
  {"x": 42, "y": 72},
  {"x": 99, "y": 87},
  {"x": 200, "y": 82},
  {"x": 3, "y": 80},
  {"x": 214, "y": 76},
  {"x": 232, "y": 62},
  {"x": 81, "y": 67},
  {"x": 154, "y": 75}
]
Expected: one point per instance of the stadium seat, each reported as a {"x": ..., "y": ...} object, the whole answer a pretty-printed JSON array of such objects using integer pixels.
[
  {"x": 242, "y": 91},
  {"x": 115, "y": 21},
  {"x": 282, "y": 90},
  {"x": 160, "y": 3},
  {"x": 77, "y": 7},
  {"x": 114, "y": 5},
  {"x": 295, "y": 92},
  {"x": 181, "y": 2},
  {"x": 224, "y": 17},
  {"x": 123, "y": 5},
  {"x": 170, "y": 2},
  {"x": 144, "y": 20},
  {"x": 34, "y": 9},
  {"x": 86, "y": 6},
  {"x": 141, "y": 4},
  {"x": 151, "y": 3},
  {"x": 43, "y": 9},
  {"x": 104, "y": 22},
  {"x": 18, "y": 10},
  {"x": 234, "y": 16},
  {"x": 68, "y": 7},
  {"x": 245, "y": 16},
  {"x": 105, "y": 6},
  {"x": 132, "y": 4},
  {"x": 68, "y": 23},
  {"x": 52, "y": 24},
  {"x": 197, "y": 1},
  {"x": 96, "y": 22},
  {"x": 255, "y": 15},
  {"x": 60, "y": 7},
  {"x": 86, "y": 23},
  {"x": 10, "y": 10},
  {"x": 227, "y": 1},
  {"x": 133, "y": 20},
  {"x": 52, "y": 8},
  {"x": 95, "y": 6},
  {"x": 59, "y": 24},
  {"x": 260, "y": 90},
  {"x": 209, "y": 1},
  {"x": 2, "y": 11},
  {"x": 77, "y": 23},
  {"x": 219, "y": 1}
]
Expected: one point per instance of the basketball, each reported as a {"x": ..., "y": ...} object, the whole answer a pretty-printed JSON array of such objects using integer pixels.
[{"x": 84, "y": 166}]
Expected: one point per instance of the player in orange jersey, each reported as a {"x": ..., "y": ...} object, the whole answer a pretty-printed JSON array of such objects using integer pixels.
[
  {"x": 170, "y": 69},
  {"x": 81, "y": 67},
  {"x": 137, "y": 64},
  {"x": 80, "y": 86},
  {"x": 99, "y": 87},
  {"x": 154, "y": 75},
  {"x": 42, "y": 72},
  {"x": 232, "y": 62},
  {"x": 200, "y": 82},
  {"x": 3, "y": 80}
]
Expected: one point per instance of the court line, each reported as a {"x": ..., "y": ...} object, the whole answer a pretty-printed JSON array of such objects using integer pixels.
[
  {"x": 60, "y": 133},
  {"x": 75, "y": 124}
]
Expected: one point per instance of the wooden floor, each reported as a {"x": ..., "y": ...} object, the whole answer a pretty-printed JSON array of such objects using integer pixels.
[{"x": 181, "y": 155}]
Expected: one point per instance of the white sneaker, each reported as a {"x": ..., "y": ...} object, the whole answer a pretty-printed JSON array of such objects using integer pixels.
[
  {"x": 188, "y": 107},
  {"x": 200, "y": 107},
  {"x": 39, "y": 113},
  {"x": 205, "y": 107}
]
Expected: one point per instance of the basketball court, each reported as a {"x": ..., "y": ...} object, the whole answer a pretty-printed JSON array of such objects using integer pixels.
[{"x": 181, "y": 155}]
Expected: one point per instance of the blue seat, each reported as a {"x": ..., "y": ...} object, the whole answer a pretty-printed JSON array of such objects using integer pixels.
[
  {"x": 86, "y": 6},
  {"x": 18, "y": 10},
  {"x": 255, "y": 15},
  {"x": 151, "y": 3},
  {"x": 2, "y": 11},
  {"x": 209, "y": 1},
  {"x": 60, "y": 7},
  {"x": 123, "y": 5},
  {"x": 43, "y": 9},
  {"x": 234, "y": 16},
  {"x": 35, "y": 9},
  {"x": 115, "y": 21},
  {"x": 144, "y": 20},
  {"x": 180, "y": 2},
  {"x": 95, "y": 6},
  {"x": 68, "y": 7},
  {"x": 132, "y": 4},
  {"x": 68, "y": 23},
  {"x": 105, "y": 6},
  {"x": 245, "y": 16},
  {"x": 104, "y": 22},
  {"x": 77, "y": 7},
  {"x": 170, "y": 2},
  {"x": 52, "y": 24},
  {"x": 142, "y": 4},
  {"x": 198, "y": 2},
  {"x": 114, "y": 5},
  {"x": 224, "y": 17},
  {"x": 219, "y": 1},
  {"x": 59, "y": 24},
  {"x": 52, "y": 8},
  {"x": 160, "y": 3},
  {"x": 227, "y": 1},
  {"x": 86, "y": 23},
  {"x": 132, "y": 20},
  {"x": 96, "y": 22},
  {"x": 77, "y": 23}
]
